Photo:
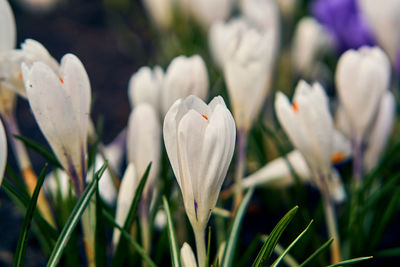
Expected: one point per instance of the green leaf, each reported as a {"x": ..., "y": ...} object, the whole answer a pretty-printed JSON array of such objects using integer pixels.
[
  {"x": 100, "y": 236},
  {"x": 391, "y": 252},
  {"x": 74, "y": 219},
  {"x": 48, "y": 155},
  {"x": 125, "y": 234},
  {"x": 172, "y": 237},
  {"x": 208, "y": 246},
  {"x": 227, "y": 258},
  {"x": 279, "y": 259},
  {"x": 351, "y": 261},
  {"x": 19, "y": 255},
  {"x": 317, "y": 252},
  {"x": 119, "y": 251},
  {"x": 269, "y": 245}
]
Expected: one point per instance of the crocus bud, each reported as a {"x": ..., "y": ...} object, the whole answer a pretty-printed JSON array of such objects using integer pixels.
[
  {"x": 8, "y": 31},
  {"x": 144, "y": 143},
  {"x": 248, "y": 71},
  {"x": 185, "y": 76},
  {"x": 187, "y": 256},
  {"x": 3, "y": 151},
  {"x": 61, "y": 106},
  {"x": 309, "y": 125},
  {"x": 384, "y": 19},
  {"x": 126, "y": 193},
  {"x": 145, "y": 87},
  {"x": 206, "y": 12},
  {"x": 310, "y": 40},
  {"x": 381, "y": 130},
  {"x": 160, "y": 11},
  {"x": 199, "y": 140},
  {"x": 362, "y": 76}
]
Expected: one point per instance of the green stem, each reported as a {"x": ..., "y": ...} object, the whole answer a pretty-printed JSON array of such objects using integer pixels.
[
  {"x": 240, "y": 167},
  {"x": 331, "y": 223},
  {"x": 200, "y": 247}
]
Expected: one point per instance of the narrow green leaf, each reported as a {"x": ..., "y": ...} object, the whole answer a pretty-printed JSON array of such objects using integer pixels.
[
  {"x": 351, "y": 261},
  {"x": 172, "y": 237},
  {"x": 227, "y": 258},
  {"x": 125, "y": 234},
  {"x": 119, "y": 251},
  {"x": 208, "y": 246},
  {"x": 391, "y": 252},
  {"x": 19, "y": 255},
  {"x": 269, "y": 245},
  {"x": 74, "y": 219},
  {"x": 100, "y": 236},
  {"x": 48, "y": 155},
  {"x": 279, "y": 259},
  {"x": 317, "y": 252}
]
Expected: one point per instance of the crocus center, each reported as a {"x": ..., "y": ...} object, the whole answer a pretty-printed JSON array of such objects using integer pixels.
[
  {"x": 204, "y": 116},
  {"x": 61, "y": 80},
  {"x": 337, "y": 157},
  {"x": 295, "y": 107}
]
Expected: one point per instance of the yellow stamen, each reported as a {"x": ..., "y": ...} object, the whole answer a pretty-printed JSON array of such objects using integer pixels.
[
  {"x": 204, "y": 116},
  {"x": 295, "y": 107},
  {"x": 61, "y": 80},
  {"x": 338, "y": 157}
]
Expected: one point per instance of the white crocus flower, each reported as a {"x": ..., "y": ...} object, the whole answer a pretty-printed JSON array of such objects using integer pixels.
[
  {"x": 362, "y": 76},
  {"x": 7, "y": 27},
  {"x": 309, "y": 126},
  {"x": 144, "y": 143},
  {"x": 61, "y": 106},
  {"x": 160, "y": 11},
  {"x": 185, "y": 76},
  {"x": 200, "y": 141},
  {"x": 206, "y": 12},
  {"x": 384, "y": 19},
  {"x": 145, "y": 87},
  {"x": 248, "y": 73},
  {"x": 310, "y": 40},
  {"x": 187, "y": 256},
  {"x": 126, "y": 193},
  {"x": 3, "y": 151}
]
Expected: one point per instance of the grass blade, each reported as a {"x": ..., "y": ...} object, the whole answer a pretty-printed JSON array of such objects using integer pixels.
[
  {"x": 119, "y": 251},
  {"x": 172, "y": 237},
  {"x": 227, "y": 258},
  {"x": 279, "y": 259},
  {"x": 100, "y": 236},
  {"x": 74, "y": 219},
  {"x": 19, "y": 255},
  {"x": 48, "y": 155},
  {"x": 351, "y": 261},
  {"x": 269, "y": 245},
  {"x": 125, "y": 234},
  {"x": 317, "y": 252}
]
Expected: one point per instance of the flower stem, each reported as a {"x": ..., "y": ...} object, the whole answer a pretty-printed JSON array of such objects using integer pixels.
[
  {"x": 358, "y": 163},
  {"x": 145, "y": 226},
  {"x": 331, "y": 223},
  {"x": 240, "y": 167},
  {"x": 25, "y": 166},
  {"x": 200, "y": 247}
]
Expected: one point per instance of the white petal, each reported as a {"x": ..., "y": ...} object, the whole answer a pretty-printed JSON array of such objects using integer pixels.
[
  {"x": 7, "y": 27},
  {"x": 3, "y": 151},
  {"x": 187, "y": 256}
]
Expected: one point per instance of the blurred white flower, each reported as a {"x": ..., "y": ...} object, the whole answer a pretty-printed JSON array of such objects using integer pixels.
[
  {"x": 309, "y": 125},
  {"x": 160, "y": 11},
  {"x": 126, "y": 193},
  {"x": 310, "y": 40},
  {"x": 384, "y": 19},
  {"x": 248, "y": 71},
  {"x": 187, "y": 256},
  {"x": 3, "y": 151},
  {"x": 57, "y": 184},
  {"x": 200, "y": 141},
  {"x": 8, "y": 31},
  {"x": 206, "y": 12},
  {"x": 362, "y": 77},
  {"x": 61, "y": 106},
  {"x": 144, "y": 144},
  {"x": 184, "y": 76},
  {"x": 160, "y": 220},
  {"x": 145, "y": 87}
]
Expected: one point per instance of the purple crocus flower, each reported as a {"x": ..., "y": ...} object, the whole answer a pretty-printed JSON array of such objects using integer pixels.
[{"x": 343, "y": 19}]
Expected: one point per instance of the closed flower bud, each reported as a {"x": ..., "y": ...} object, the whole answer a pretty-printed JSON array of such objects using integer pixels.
[
  {"x": 145, "y": 87},
  {"x": 187, "y": 256},
  {"x": 248, "y": 71},
  {"x": 61, "y": 106},
  {"x": 3, "y": 151},
  {"x": 200, "y": 141},
  {"x": 144, "y": 143},
  {"x": 362, "y": 76},
  {"x": 309, "y": 125},
  {"x": 185, "y": 76}
]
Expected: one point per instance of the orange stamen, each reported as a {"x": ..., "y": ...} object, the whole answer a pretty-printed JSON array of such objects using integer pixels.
[
  {"x": 338, "y": 157},
  {"x": 204, "y": 116},
  {"x": 295, "y": 107},
  {"x": 20, "y": 76},
  {"x": 61, "y": 80}
]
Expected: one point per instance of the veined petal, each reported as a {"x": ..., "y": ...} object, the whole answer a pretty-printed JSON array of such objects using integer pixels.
[{"x": 8, "y": 33}]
